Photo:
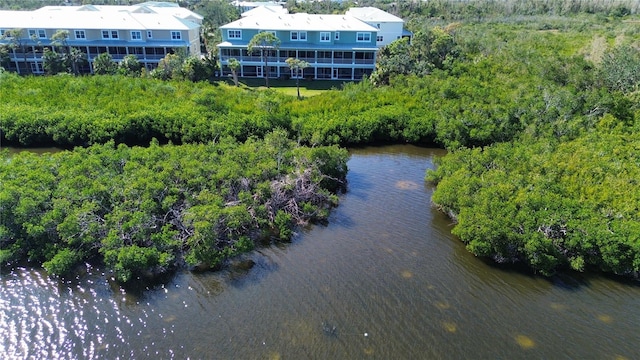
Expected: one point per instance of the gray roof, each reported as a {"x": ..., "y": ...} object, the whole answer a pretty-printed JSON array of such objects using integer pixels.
[
  {"x": 301, "y": 21},
  {"x": 372, "y": 14},
  {"x": 265, "y": 10},
  {"x": 100, "y": 17}
]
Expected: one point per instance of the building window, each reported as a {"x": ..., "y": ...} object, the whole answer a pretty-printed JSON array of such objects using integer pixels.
[
  {"x": 234, "y": 34},
  {"x": 2, "y": 32},
  {"x": 80, "y": 34},
  {"x": 379, "y": 38},
  {"x": 40, "y": 33},
  {"x": 110, "y": 34},
  {"x": 149, "y": 34},
  {"x": 37, "y": 68},
  {"x": 298, "y": 36},
  {"x": 363, "y": 37},
  {"x": 378, "y": 26},
  {"x": 176, "y": 35},
  {"x": 136, "y": 35},
  {"x": 325, "y": 36},
  {"x": 337, "y": 37}
]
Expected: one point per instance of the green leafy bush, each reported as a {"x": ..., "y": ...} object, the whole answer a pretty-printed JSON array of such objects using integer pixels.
[
  {"x": 144, "y": 211},
  {"x": 557, "y": 205}
]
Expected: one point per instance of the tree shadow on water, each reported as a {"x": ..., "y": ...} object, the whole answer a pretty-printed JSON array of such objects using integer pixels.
[
  {"x": 570, "y": 280},
  {"x": 249, "y": 268},
  {"x": 573, "y": 280},
  {"x": 564, "y": 279},
  {"x": 358, "y": 185}
]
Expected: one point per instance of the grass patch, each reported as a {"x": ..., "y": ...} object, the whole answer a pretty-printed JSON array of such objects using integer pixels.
[{"x": 307, "y": 87}]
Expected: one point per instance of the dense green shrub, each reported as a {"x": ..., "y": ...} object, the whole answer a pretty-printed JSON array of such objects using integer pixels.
[
  {"x": 549, "y": 204},
  {"x": 510, "y": 96},
  {"x": 506, "y": 77},
  {"x": 146, "y": 210}
]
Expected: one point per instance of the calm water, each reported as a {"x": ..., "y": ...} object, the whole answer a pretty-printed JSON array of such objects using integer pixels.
[
  {"x": 385, "y": 277},
  {"x": 41, "y": 150}
]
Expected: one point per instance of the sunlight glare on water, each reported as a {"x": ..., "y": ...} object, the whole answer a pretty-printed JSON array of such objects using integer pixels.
[{"x": 384, "y": 279}]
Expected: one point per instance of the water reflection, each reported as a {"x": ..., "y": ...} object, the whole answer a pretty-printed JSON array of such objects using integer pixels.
[
  {"x": 385, "y": 273},
  {"x": 41, "y": 150}
]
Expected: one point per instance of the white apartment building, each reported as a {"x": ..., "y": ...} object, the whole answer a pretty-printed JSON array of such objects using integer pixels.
[
  {"x": 148, "y": 30},
  {"x": 390, "y": 27}
]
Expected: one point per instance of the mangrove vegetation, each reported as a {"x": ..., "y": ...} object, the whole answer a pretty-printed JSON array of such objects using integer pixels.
[
  {"x": 146, "y": 210},
  {"x": 538, "y": 106}
]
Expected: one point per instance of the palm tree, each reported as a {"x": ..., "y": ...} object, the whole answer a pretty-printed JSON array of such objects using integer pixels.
[
  {"x": 234, "y": 65},
  {"x": 104, "y": 64},
  {"x": 16, "y": 42},
  {"x": 264, "y": 42},
  {"x": 297, "y": 66},
  {"x": 76, "y": 56}
]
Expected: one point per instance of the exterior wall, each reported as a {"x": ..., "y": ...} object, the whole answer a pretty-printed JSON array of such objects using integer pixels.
[
  {"x": 342, "y": 65},
  {"x": 347, "y": 53},
  {"x": 390, "y": 27},
  {"x": 342, "y": 59},
  {"x": 346, "y": 38},
  {"x": 149, "y": 51},
  {"x": 390, "y": 32},
  {"x": 194, "y": 42}
]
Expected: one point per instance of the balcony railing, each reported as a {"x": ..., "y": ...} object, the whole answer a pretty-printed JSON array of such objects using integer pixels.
[
  {"x": 282, "y": 60},
  {"x": 29, "y": 55}
]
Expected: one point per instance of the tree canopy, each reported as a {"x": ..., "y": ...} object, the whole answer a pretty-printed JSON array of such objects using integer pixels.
[
  {"x": 297, "y": 66},
  {"x": 265, "y": 43},
  {"x": 539, "y": 114},
  {"x": 551, "y": 205},
  {"x": 144, "y": 211}
]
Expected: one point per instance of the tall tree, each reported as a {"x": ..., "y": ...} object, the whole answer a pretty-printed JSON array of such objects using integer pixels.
[
  {"x": 130, "y": 66},
  {"x": 4, "y": 54},
  {"x": 17, "y": 42},
  {"x": 76, "y": 57},
  {"x": 169, "y": 67},
  {"x": 234, "y": 65},
  {"x": 103, "y": 64},
  {"x": 216, "y": 13},
  {"x": 264, "y": 43},
  {"x": 72, "y": 57},
  {"x": 196, "y": 69},
  {"x": 393, "y": 59},
  {"x": 59, "y": 39},
  {"x": 297, "y": 66},
  {"x": 53, "y": 62}
]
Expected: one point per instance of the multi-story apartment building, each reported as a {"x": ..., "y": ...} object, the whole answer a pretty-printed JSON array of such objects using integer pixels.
[
  {"x": 390, "y": 27},
  {"x": 337, "y": 47},
  {"x": 149, "y": 31}
]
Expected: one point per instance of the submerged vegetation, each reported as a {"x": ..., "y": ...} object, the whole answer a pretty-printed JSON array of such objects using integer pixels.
[{"x": 540, "y": 109}]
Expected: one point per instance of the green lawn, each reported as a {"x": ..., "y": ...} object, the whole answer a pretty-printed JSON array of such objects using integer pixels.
[{"x": 307, "y": 87}]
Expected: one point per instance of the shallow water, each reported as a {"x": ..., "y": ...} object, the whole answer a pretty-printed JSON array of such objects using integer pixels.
[{"x": 384, "y": 279}]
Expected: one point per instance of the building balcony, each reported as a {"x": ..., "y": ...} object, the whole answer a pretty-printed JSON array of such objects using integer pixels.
[{"x": 312, "y": 61}]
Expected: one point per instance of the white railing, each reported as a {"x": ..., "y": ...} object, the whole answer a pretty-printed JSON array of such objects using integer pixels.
[{"x": 282, "y": 60}]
